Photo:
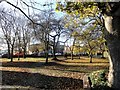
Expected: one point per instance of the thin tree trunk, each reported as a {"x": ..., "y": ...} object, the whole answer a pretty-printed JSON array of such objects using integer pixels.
[
  {"x": 54, "y": 56},
  {"x": 90, "y": 58},
  {"x": 8, "y": 51},
  {"x": 79, "y": 56},
  {"x": 72, "y": 48},
  {"x": 46, "y": 58},
  {"x": 54, "y": 49},
  {"x": 79, "y": 52},
  {"x": 19, "y": 53},
  {"x": 24, "y": 56},
  {"x": 12, "y": 53},
  {"x": 46, "y": 47},
  {"x": 18, "y": 56},
  {"x": 46, "y": 52},
  {"x": 11, "y": 57},
  {"x": 72, "y": 55}
]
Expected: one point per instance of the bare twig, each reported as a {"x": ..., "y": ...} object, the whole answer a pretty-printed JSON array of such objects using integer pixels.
[{"x": 24, "y": 13}]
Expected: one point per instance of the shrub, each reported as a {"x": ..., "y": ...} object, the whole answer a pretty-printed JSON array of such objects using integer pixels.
[{"x": 99, "y": 79}]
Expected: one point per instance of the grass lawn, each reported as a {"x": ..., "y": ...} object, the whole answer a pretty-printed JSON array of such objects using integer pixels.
[{"x": 61, "y": 74}]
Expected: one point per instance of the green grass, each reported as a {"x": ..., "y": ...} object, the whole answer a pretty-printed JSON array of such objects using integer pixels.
[
  {"x": 23, "y": 59},
  {"x": 74, "y": 69},
  {"x": 77, "y": 65}
]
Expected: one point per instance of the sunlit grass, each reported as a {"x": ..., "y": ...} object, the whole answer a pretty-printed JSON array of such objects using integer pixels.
[
  {"x": 24, "y": 60},
  {"x": 82, "y": 65},
  {"x": 84, "y": 61}
]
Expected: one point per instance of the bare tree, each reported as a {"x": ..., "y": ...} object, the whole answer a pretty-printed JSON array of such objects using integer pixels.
[
  {"x": 57, "y": 30},
  {"x": 42, "y": 33},
  {"x": 9, "y": 29}
]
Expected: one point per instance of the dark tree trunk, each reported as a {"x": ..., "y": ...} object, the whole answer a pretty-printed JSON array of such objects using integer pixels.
[
  {"x": 91, "y": 58},
  {"x": 46, "y": 47},
  {"x": 46, "y": 53},
  {"x": 19, "y": 53},
  {"x": 113, "y": 41},
  {"x": 72, "y": 48},
  {"x": 79, "y": 52},
  {"x": 54, "y": 56},
  {"x": 11, "y": 58},
  {"x": 24, "y": 56},
  {"x": 90, "y": 55},
  {"x": 18, "y": 57},
  {"x": 79, "y": 56},
  {"x": 8, "y": 51},
  {"x": 11, "y": 55},
  {"x": 46, "y": 58},
  {"x": 72, "y": 55},
  {"x": 54, "y": 49}
]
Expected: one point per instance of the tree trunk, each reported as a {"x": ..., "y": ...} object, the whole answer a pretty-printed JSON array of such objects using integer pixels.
[
  {"x": 114, "y": 69},
  {"x": 8, "y": 51},
  {"x": 18, "y": 57},
  {"x": 79, "y": 52},
  {"x": 24, "y": 56},
  {"x": 79, "y": 56},
  {"x": 46, "y": 48},
  {"x": 113, "y": 41},
  {"x": 71, "y": 55},
  {"x": 11, "y": 55},
  {"x": 46, "y": 53},
  {"x": 54, "y": 49},
  {"x": 46, "y": 58},
  {"x": 19, "y": 53},
  {"x": 72, "y": 48},
  {"x": 90, "y": 58}
]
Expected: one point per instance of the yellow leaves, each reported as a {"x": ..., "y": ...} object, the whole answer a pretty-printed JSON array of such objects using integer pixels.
[
  {"x": 83, "y": 9},
  {"x": 94, "y": 8},
  {"x": 76, "y": 12},
  {"x": 76, "y": 50},
  {"x": 75, "y": 34},
  {"x": 71, "y": 21},
  {"x": 66, "y": 25},
  {"x": 57, "y": 10},
  {"x": 89, "y": 11}
]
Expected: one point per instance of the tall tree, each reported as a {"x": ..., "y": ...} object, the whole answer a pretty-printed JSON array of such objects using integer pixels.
[
  {"x": 72, "y": 23},
  {"x": 57, "y": 30},
  {"x": 43, "y": 33},
  {"x": 9, "y": 29},
  {"x": 26, "y": 34},
  {"x": 111, "y": 13}
]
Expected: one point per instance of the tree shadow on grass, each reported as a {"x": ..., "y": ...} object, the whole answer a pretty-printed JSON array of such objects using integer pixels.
[
  {"x": 81, "y": 61},
  {"x": 23, "y": 64},
  {"x": 40, "y": 81},
  {"x": 34, "y": 64},
  {"x": 54, "y": 66}
]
